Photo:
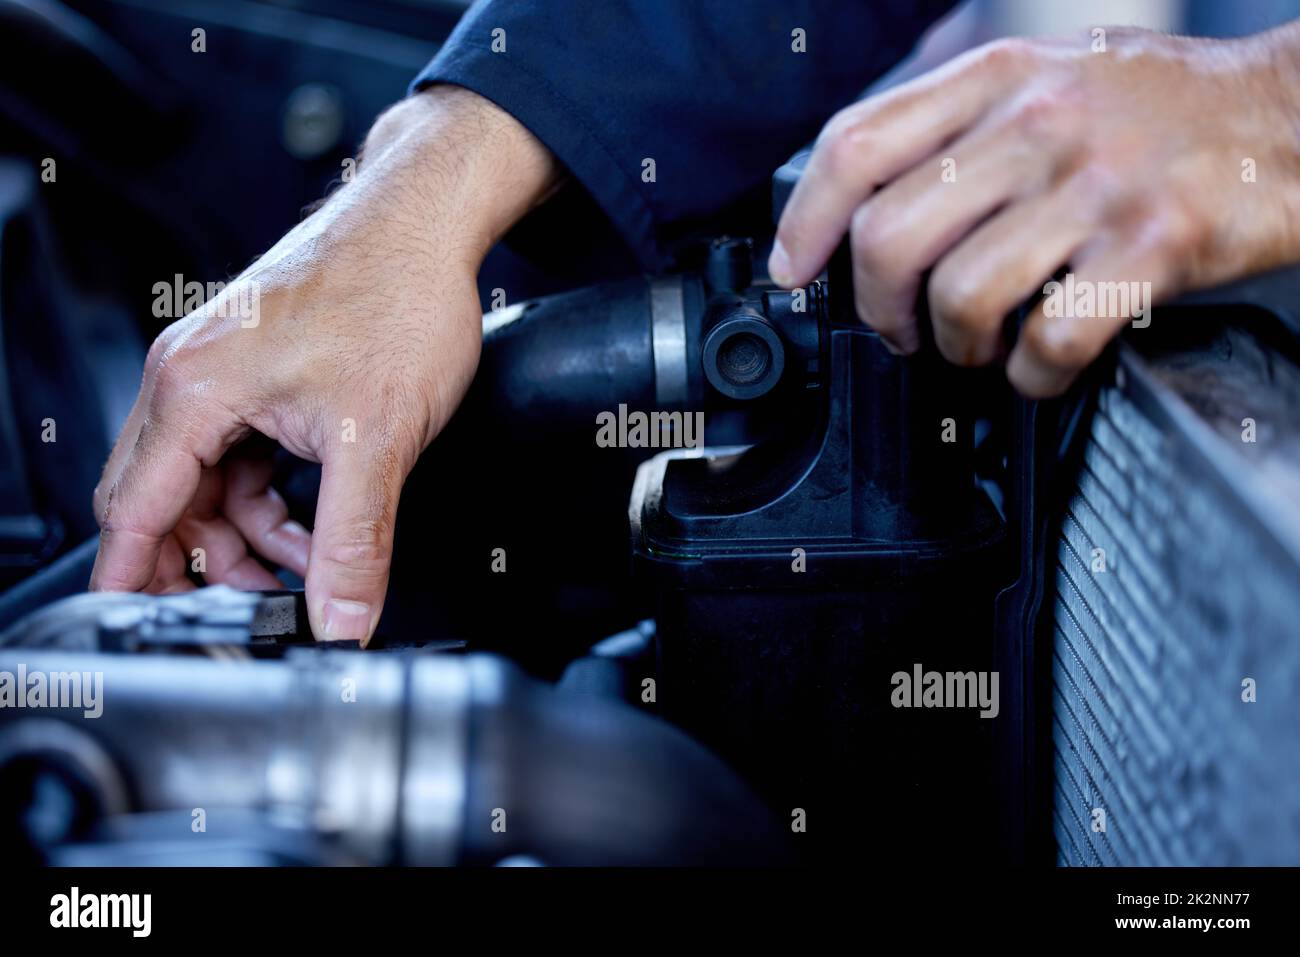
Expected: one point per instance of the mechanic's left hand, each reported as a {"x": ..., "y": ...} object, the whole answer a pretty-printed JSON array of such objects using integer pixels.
[{"x": 1167, "y": 160}]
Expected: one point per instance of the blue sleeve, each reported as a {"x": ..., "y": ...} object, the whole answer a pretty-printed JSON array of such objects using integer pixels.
[{"x": 713, "y": 91}]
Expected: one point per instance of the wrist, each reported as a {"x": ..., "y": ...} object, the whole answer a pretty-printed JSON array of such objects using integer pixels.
[
  {"x": 1278, "y": 59},
  {"x": 1280, "y": 72},
  {"x": 459, "y": 163}
]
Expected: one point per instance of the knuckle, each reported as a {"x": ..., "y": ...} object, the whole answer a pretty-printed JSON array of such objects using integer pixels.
[
  {"x": 176, "y": 369},
  {"x": 871, "y": 239},
  {"x": 1004, "y": 54},
  {"x": 843, "y": 146},
  {"x": 955, "y": 302},
  {"x": 1097, "y": 184},
  {"x": 882, "y": 317},
  {"x": 880, "y": 244},
  {"x": 1180, "y": 232},
  {"x": 1042, "y": 113},
  {"x": 839, "y": 123},
  {"x": 1061, "y": 343},
  {"x": 362, "y": 548},
  {"x": 171, "y": 377},
  {"x": 158, "y": 350}
]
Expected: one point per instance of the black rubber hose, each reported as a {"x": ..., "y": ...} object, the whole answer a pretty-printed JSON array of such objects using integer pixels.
[
  {"x": 552, "y": 364},
  {"x": 577, "y": 781}
]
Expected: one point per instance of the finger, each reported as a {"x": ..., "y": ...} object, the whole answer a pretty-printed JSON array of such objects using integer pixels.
[
  {"x": 213, "y": 545},
  {"x": 121, "y": 451},
  {"x": 352, "y": 541},
  {"x": 155, "y": 486},
  {"x": 261, "y": 515},
  {"x": 1004, "y": 262},
  {"x": 130, "y": 432},
  {"x": 169, "y": 577},
  {"x": 224, "y": 554},
  {"x": 869, "y": 143},
  {"x": 906, "y": 227},
  {"x": 1114, "y": 282}
]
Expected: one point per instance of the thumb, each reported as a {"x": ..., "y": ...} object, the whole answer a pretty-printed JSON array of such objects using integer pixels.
[{"x": 352, "y": 542}]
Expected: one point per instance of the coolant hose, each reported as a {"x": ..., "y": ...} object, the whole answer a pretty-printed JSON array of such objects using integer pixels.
[{"x": 414, "y": 759}]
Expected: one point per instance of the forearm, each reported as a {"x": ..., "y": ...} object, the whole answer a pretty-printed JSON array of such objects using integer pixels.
[
  {"x": 1282, "y": 49},
  {"x": 454, "y": 162}
]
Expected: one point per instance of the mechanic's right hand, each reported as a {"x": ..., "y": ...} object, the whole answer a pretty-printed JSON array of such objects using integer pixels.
[{"x": 364, "y": 339}]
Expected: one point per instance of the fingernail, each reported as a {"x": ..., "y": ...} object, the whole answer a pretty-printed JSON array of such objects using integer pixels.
[
  {"x": 778, "y": 265},
  {"x": 346, "y": 620}
]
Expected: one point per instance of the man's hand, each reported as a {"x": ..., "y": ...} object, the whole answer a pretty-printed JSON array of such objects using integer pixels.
[
  {"x": 1165, "y": 160},
  {"x": 364, "y": 338}
]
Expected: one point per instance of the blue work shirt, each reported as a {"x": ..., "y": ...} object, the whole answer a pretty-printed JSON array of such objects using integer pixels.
[{"x": 717, "y": 93}]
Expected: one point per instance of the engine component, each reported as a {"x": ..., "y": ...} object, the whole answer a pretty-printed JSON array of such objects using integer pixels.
[
  {"x": 796, "y": 576},
  {"x": 119, "y": 621},
  {"x": 686, "y": 341},
  {"x": 332, "y": 756},
  {"x": 1175, "y": 669}
]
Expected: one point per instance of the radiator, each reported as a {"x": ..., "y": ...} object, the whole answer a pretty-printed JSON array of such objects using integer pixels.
[{"x": 1175, "y": 688}]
